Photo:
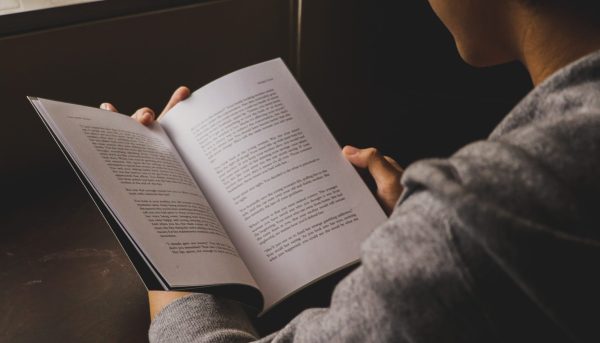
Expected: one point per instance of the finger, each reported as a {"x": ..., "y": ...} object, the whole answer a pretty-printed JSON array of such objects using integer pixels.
[
  {"x": 180, "y": 94},
  {"x": 384, "y": 173},
  {"x": 144, "y": 115},
  {"x": 108, "y": 106},
  {"x": 394, "y": 163},
  {"x": 386, "y": 176}
]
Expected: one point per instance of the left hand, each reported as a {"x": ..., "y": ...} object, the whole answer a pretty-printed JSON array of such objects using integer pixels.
[
  {"x": 385, "y": 171},
  {"x": 145, "y": 115}
]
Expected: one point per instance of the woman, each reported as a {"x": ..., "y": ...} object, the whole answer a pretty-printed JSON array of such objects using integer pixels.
[{"x": 498, "y": 242}]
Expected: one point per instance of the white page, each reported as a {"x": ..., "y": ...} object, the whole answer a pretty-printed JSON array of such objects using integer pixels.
[
  {"x": 258, "y": 149},
  {"x": 159, "y": 204}
]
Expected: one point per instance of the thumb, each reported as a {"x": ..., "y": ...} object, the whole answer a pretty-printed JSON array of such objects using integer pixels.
[{"x": 385, "y": 173}]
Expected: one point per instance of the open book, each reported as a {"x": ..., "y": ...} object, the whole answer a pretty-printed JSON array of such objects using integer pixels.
[{"x": 240, "y": 190}]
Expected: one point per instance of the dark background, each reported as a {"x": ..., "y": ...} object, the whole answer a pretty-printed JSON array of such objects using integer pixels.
[
  {"x": 381, "y": 73},
  {"x": 388, "y": 74}
]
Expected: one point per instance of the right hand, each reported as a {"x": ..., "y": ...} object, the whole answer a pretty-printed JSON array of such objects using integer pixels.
[
  {"x": 146, "y": 115},
  {"x": 385, "y": 171}
]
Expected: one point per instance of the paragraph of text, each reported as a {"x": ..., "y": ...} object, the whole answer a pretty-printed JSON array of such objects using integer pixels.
[
  {"x": 239, "y": 121},
  {"x": 310, "y": 233},
  {"x": 136, "y": 159}
]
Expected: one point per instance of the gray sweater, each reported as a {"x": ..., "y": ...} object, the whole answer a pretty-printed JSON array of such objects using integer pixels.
[{"x": 498, "y": 243}]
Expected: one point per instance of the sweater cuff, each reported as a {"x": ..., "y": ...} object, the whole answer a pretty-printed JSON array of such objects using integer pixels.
[{"x": 201, "y": 317}]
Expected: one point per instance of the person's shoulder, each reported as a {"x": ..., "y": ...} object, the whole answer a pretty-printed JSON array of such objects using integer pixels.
[{"x": 563, "y": 141}]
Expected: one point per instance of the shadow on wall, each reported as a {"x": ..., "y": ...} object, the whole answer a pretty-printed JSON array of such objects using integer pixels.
[{"x": 389, "y": 71}]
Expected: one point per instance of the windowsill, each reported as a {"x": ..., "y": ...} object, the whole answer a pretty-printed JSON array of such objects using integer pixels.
[
  {"x": 8, "y": 7},
  {"x": 25, "y": 22}
]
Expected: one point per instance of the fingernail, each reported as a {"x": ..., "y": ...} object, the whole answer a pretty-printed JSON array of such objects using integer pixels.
[
  {"x": 146, "y": 116},
  {"x": 350, "y": 150},
  {"x": 104, "y": 106}
]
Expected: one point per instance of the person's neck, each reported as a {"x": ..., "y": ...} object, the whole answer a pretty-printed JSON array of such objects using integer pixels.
[{"x": 551, "y": 40}]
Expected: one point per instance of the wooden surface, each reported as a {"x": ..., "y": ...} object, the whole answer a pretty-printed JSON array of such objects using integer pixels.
[{"x": 63, "y": 275}]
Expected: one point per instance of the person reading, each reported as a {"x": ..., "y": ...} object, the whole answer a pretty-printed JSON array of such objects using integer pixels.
[{"x": 498, "y": 242}]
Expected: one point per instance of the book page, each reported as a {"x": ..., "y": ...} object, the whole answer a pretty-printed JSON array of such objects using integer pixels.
[
  {"x": 292, "y": 205},
  {"x": 141, "y": 178}
]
